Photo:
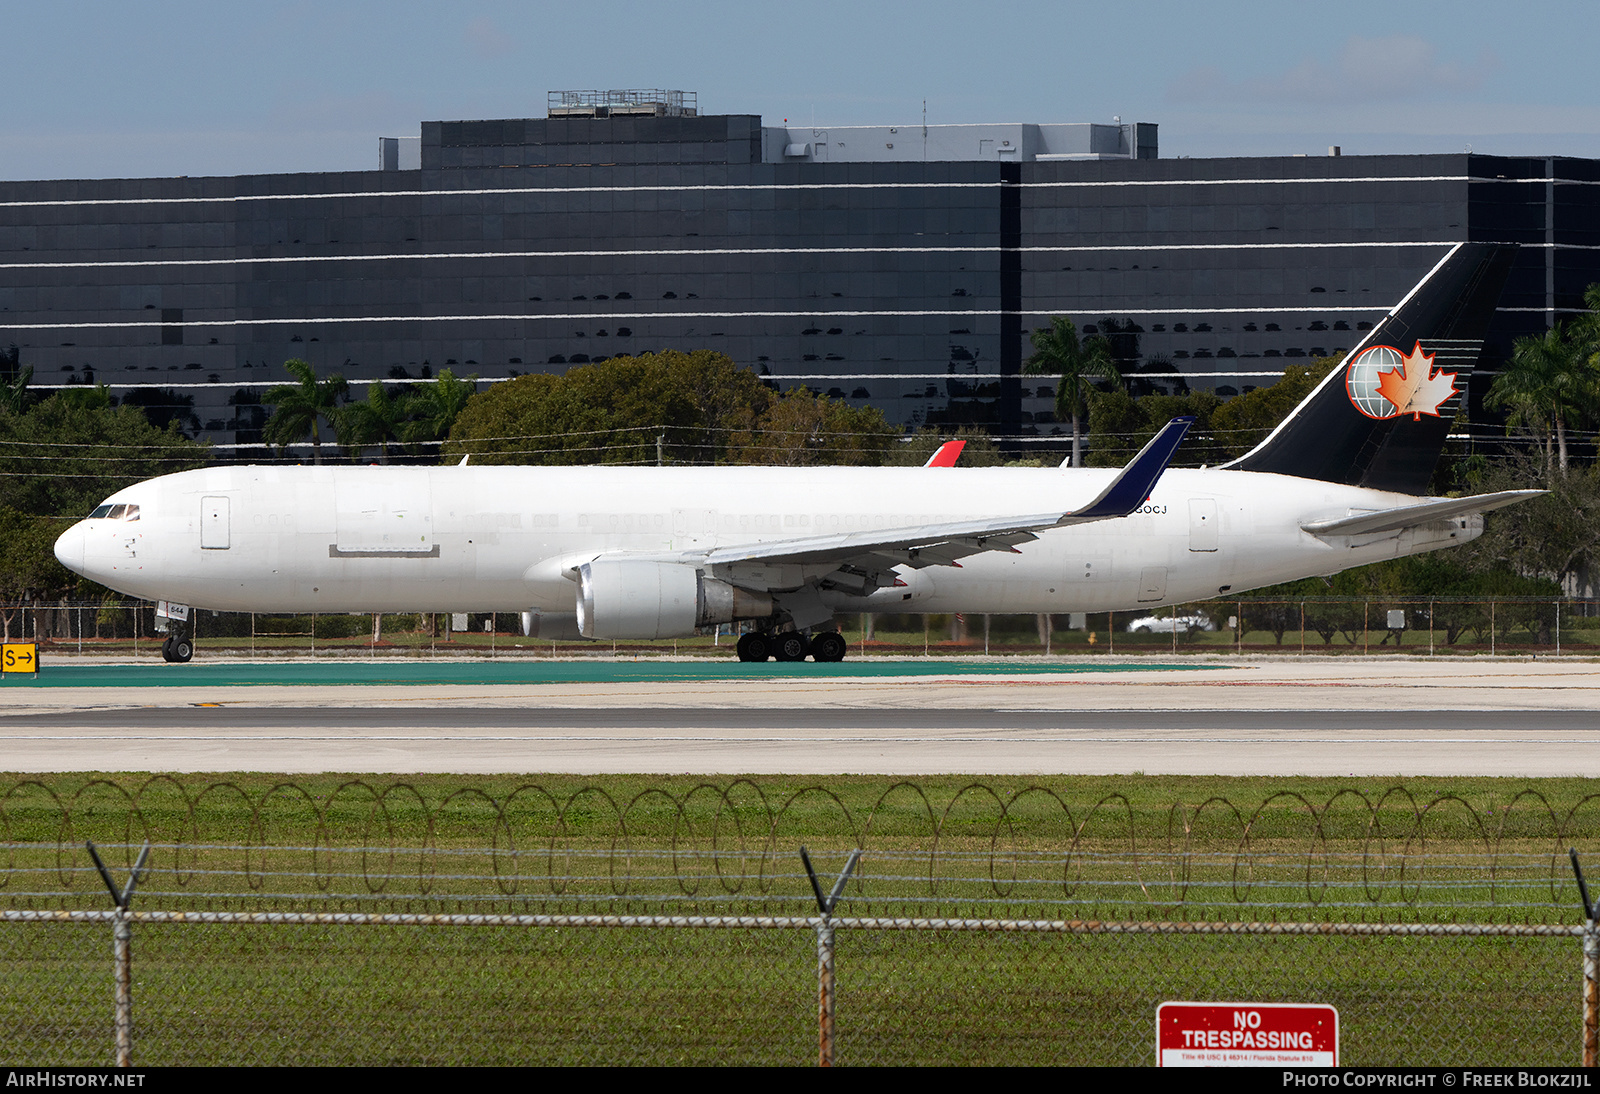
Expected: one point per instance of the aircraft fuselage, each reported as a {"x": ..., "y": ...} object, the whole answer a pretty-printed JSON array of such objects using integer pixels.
[{"x": 480, "y": 539}]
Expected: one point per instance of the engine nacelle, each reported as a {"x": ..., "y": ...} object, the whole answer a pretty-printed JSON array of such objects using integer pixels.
[
  {"x": 626, "y": 598},
  {"x": 551, "y": 626}
]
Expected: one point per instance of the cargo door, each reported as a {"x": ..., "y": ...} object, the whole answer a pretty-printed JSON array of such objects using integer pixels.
[
  {"x": 1152, "y": 584},
  {"x": 384, "y": 513},
  {"x": 1202, "y": 524},
  {"x": 214, "y": 524}
]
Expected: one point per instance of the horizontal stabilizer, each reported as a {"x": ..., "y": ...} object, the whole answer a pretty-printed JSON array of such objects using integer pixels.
[{"x": 1407, "y": 516}]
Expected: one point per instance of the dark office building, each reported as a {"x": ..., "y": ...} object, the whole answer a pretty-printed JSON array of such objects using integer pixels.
[{"x": 900, "y": 266}]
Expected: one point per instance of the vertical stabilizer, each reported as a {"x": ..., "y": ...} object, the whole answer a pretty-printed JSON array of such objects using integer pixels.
[{"x": 1380, "y": 419}]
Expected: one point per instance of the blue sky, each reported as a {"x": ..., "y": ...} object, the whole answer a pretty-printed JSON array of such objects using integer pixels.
[{"x": 180, "y": 88}]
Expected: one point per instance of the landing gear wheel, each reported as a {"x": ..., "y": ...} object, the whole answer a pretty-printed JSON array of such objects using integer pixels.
[
  {"x": 166, "y": 648},
  {"x": 828, "y": 646},
  {"x": 182, "y": 650},
  {"x": 791, "y": 646},
  {"x": 754, "y": 647}
]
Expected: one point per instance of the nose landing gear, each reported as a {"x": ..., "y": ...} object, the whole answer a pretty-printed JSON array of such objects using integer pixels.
[
  {"x": 177, "y": 649},
  {"x": 178, "y": 646}
]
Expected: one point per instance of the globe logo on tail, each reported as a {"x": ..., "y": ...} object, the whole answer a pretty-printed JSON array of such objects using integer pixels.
[{"x": 1384, "y": 383}]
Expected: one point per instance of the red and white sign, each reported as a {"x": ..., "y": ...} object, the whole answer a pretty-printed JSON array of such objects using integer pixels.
[{"x": 1247, "y": 1035}]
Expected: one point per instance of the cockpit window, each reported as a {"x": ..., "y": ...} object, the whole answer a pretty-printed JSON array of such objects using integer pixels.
[
  {"x": 132, "y": 513},
  {"x": 100, "y": 512},
  {"x": 115, "y": 512}
]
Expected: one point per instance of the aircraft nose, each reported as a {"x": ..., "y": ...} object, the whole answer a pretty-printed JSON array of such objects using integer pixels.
[{"x": 69, "y": 548}]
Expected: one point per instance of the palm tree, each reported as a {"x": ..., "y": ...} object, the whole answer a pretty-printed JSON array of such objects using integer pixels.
[
  {"x": 302, "y": 405},
  {"x": 433, "y": 410},
  {"x": 1550, "y": 382},
  {"x": 14, "y": 381},
  {"x": 1056, "y": 349},
  {"x": 379, "y": 420}
]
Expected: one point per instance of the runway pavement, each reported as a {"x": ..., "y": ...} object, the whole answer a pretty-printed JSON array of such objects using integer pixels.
[{"x": 1278, "y": 716}]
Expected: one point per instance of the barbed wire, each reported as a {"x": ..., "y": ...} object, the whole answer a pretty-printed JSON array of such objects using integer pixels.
[
  {"x": 1353, "y": 852},
  {"x": 1526, "y": 879}
]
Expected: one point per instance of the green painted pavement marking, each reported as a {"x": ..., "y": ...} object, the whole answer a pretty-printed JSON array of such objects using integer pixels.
[{"x": 530, "y": 672}]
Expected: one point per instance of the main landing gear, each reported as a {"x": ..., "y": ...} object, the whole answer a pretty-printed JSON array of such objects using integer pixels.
[
  {"x": 177, "y": 648},
  {"x": 825, "y": 646}
]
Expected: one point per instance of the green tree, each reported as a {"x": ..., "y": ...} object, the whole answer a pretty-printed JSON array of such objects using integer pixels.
[
  {"x": 433, "y": 410},
  {"x": 802, "y": 429},
  {"x": 380, "y": 419},
  {"x": 302, "y": 406},
  {"x": 696, "y": 405},
  {"x": 1550, "y": 384},
  {"x": 14, "y": 380},
  {"x": 913, "y": 451},
  {"x": 1553, "y": 536},
  {"x": 28, "y": 566},
  {"x": 1120, "y": 425},
  {"x": 1244, "y": 421},
  {"x": 1080, "y": 365},
  {"x": 64, "y": 454},
  {"x": 60, "y": 458},
  {"x": 683, "y": 407},
  {"x": 533, "y": 419}
]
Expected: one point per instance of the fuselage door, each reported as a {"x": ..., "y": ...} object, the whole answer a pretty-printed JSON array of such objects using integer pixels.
[
  {"x": 1152, "y": 584},
  {"x": 214, "y": 524},
  {"x": 1202, "y": 524}
]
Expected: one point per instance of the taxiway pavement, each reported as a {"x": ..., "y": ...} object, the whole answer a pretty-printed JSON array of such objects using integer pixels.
[{"x": 1270, "y": 716}]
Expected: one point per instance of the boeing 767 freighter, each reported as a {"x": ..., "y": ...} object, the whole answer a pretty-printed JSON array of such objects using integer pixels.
[{"x": 630, "y": 552}]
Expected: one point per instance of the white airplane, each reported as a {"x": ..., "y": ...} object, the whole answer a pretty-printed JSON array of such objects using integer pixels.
[{"x": 645, "y": 552}]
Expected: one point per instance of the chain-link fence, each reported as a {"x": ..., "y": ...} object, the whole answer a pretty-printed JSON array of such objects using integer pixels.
[
  {"x": 1401, "y": 625},
  {"x": 332, "y": 988},
  {"x": 347, "y": 923}
]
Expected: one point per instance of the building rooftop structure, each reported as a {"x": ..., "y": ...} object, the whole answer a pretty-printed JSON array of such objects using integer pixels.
[
  {"x": 597, "y": 128},
  {"x": 652, "y": 103}
]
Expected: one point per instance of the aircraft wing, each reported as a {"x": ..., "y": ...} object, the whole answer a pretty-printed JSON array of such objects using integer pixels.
[
  {"x": 1406, "y": 516},
  {"x": 943, "y": 544}
]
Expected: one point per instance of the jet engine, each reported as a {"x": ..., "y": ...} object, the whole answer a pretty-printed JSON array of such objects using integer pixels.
[{"x": 628, "y": 598}]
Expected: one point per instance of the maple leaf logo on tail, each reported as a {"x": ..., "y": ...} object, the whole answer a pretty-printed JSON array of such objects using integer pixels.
[
  {"x": 1384, "y": 384},
  {"x": 1415, "y": 388}
]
